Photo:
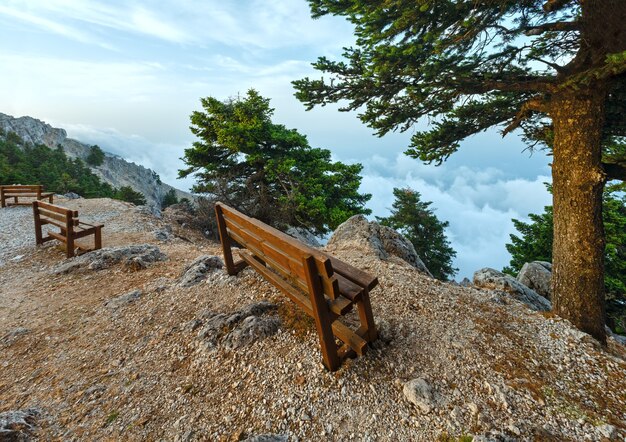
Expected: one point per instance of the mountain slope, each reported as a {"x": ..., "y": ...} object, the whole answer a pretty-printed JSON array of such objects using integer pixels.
[{"x": 114, "y": 170}]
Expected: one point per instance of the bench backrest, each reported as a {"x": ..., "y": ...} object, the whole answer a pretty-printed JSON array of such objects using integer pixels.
[
  {"x": 16, "y": 189},
  {"x": 56, "y": 215},
  {"x": 278, "y": 250}
]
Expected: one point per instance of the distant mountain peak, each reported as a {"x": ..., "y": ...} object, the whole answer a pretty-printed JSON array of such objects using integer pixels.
[{"x": 114, "y": 170}]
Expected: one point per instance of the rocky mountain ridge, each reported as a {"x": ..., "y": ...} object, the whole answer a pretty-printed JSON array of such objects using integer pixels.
[{"x": 115, "y": 170}]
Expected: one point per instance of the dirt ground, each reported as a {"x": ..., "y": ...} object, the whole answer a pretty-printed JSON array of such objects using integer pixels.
[{"x": 139, "y": 371}]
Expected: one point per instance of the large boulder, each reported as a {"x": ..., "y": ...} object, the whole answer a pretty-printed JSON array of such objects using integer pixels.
[
  {"x": 492, "y": 279},
  {"x": 537, "y": 275},
  {"x": 369, "y": 237}
]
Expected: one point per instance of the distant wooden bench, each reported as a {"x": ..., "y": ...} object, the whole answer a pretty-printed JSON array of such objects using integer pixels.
[
  {"x": 71, "y": 227},
  {"x": 321, "y": 285},
  {"x": 19, "y": 191}
]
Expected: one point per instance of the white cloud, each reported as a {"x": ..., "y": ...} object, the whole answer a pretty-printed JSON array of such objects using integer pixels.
[
  {"x": 248, "y": 24},
  {"x": 478, "y": 203}
]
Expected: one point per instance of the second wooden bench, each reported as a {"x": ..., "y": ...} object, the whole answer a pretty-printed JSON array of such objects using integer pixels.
[{"x": 71, "y": 228}]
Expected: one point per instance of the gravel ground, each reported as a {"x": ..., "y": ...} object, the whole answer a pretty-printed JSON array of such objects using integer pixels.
[{"x": 124, "y": 356}]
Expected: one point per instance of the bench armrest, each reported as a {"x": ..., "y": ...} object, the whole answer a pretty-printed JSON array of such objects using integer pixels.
[{"x": 351, "y": 273}]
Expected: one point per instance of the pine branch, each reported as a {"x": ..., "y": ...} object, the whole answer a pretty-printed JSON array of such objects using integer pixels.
[
  {"x": 559, "y": 26},
  {"x": 536, "y": 104}
]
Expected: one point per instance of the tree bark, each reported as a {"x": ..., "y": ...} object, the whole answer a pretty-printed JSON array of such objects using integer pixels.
[{"x": 578, "y": 182}]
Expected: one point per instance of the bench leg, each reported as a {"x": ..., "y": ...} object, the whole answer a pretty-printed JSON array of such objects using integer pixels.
[
  {"x": 231, "y": 267},
  {"x": 367, "y": 317},
  {"x": 321, "y": 315},
  {"x": 38, "y": 235},
  {"x": 69, "y": 246},
  {"x": 2, "y": 201},
  {"x": 97, "y": 238}
]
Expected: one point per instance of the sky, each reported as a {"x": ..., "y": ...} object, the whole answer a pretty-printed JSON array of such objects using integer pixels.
[{"x": 126, "y": 75}]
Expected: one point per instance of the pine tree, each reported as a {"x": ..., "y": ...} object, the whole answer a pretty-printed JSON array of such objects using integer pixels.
[
  {"x": 417, "y": 222},
  {"x": 268, "y": 171}
]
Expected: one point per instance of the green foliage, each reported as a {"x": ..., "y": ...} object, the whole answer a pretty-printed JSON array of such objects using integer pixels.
[
  {"x": 128, "y": 194},
  {"x": 468, "y": 66},
  {"x": 169, "y": 198},
  {"x": 535, "y": 244},
  {"x": 417, "y": 222},
  {"x": 95, "y": 157},
  {"x": 268, "y": 171},
  {"x": 27, "y": 164}
]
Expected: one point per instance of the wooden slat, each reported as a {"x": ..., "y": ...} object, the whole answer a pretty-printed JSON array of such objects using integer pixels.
[
  {"x": 54, "y": 222},
  {"x": 20, "y": 190},
  {"x": 86, "y": 232},
  {"x": 349, "y": 289},
  {"x": 284, "y": 241},
  {"x": 340, "y": 306},
  {"x": 57, "y": 236},
  {"x": 357, "y": 276},
  {"x": 357, "y": 343},
  {"x": 268, "y": 249},
  {"x": 89, "y": 225},
  {"x": 57, "y": 209},
  {"x": 295, "y": 295},
  {"x": 275, "y": 265},
  {"x": 271, "y": 245},
  {"x": 55, "y": 215}
]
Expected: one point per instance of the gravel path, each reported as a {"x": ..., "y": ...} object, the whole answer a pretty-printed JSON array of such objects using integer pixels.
[{"x": 17, "y": 232}]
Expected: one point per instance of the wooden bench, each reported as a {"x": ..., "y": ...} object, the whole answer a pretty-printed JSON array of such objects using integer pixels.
[
  {"x": 322, "y": 286},
  {"x": 19, "y": 191},
  {"x": 71, "y": 227}
]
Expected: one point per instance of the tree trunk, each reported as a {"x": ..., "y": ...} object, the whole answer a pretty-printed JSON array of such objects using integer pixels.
[{"x": 578, "y": 182}]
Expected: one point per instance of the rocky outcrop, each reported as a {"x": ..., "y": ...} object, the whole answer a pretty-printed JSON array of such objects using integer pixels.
[
  {"x": 369, "y": 237},
  {"x": 123, "y": 300},
  {"x": 18, "y": 425},
  {"x": 198, "y": 270},
  {"x": 134, "y": 257},
  {"x": 492, "y": 279},
  {"x": 114, "y": 170},
  {"x": 236, "y": 329},
  {"x": 420, "y": 394},
  {"x": 537, "y": 276}
]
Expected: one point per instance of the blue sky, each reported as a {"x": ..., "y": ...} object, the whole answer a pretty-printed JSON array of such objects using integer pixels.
[{"x": 127, "y": 75}]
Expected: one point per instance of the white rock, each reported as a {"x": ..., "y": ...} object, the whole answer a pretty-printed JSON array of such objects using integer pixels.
[{"x": 419, "y": 393}]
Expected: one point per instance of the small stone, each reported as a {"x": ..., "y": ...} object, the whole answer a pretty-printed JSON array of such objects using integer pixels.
[
  {"x": 608, "y": 431},
  {"x": 419, "y": 393},
  {"x": 123, "y": 300}
]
